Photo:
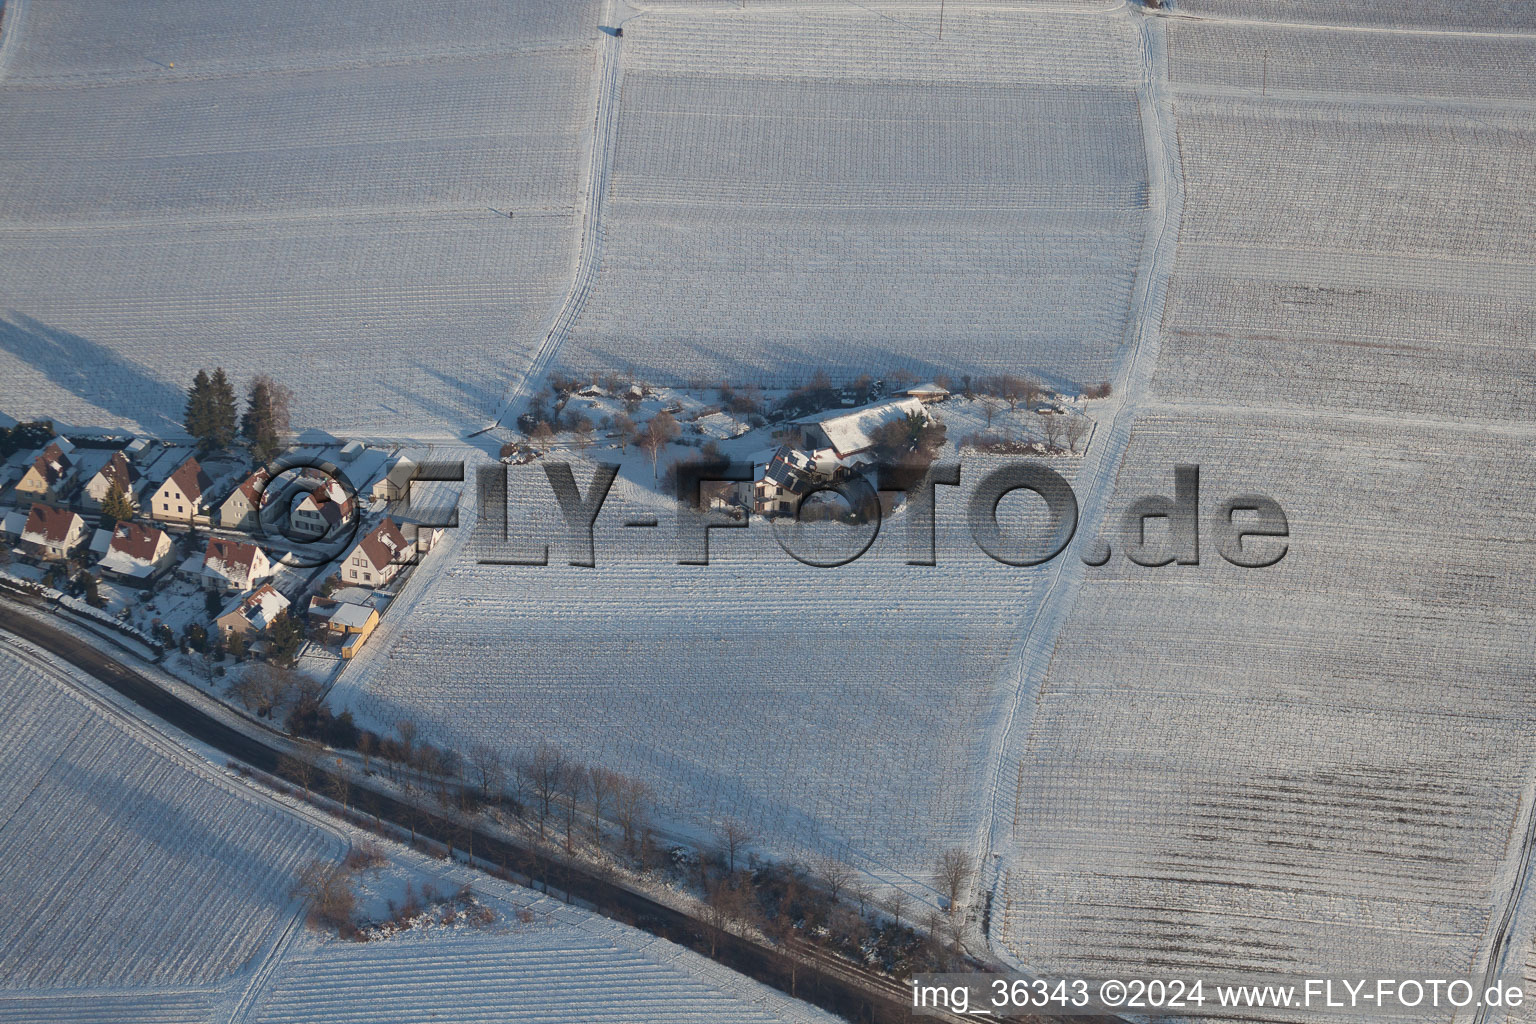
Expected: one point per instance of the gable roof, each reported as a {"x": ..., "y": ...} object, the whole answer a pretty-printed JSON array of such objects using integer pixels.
[
  {"x": 118, "y": 471},
  {"x": 854, "y": 431},
  {"x": 230, "y": 558},
  {"x": 191, "y": 478},
  {"x": 253, "y": 486},
  {"x": 50, "y": 524},
  {"x": 383, "y": 544},
  {"x": 52, "y": 464},
  {"x": 259, "y": 607},
  {"x": 136, "y": 541}
]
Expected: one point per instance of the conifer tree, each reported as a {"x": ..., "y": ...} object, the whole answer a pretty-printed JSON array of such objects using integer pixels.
[
  {"x": 221, "y": 427},
  {"x": 116, "y": 507},
  {"x": 259, "y": 426},
  {"x": 199, "y": 406}
]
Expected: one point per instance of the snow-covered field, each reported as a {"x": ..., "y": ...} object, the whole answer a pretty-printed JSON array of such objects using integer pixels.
[
  {"x": 144, "y": 885},
  {"x": 839, "y": 711},
  {"x": 833, "y": 187},
  {"x": 129, "y": 864},
  {"x": 1328, "y": 762},
  {"x": 309, "y": 192},
  {"x": 1473, "y": 15},
  {"x": 539, "y": 960}
]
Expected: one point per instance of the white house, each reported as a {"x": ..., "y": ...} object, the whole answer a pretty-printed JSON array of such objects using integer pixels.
[
  {"x": 180, "y": 498},
  {"x": 242, "y": 508},
  {"x": 231, "y": 565},
  {"x": 321, "y": 509},
  {"x": 138, "y": 554},
  {"x": 118, "y": 472},
  {"x": 396, "y": 483},
  {"x": 377, "y": 558},
  {"x": 52, "y": 533}
]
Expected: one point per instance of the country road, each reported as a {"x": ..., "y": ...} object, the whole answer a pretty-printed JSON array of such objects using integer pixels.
[{"x": 814, "y": 976}]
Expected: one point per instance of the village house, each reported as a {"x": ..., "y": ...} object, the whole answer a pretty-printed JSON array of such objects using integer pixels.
[
  {"x": 824, "y": 451},
  {"x": 377, "y": 558},
  {"x": 928, "y": 393},
  {"x": 138, "y": 554},
  {"x": 50, "y": 475},
  {"x": 252, "y": 613},
  {"x": 348, "y": 621},
  {"x": 242, "y": 509},
  {"x": 52, "y": 533},
  {"x": 321, "y": 509},
  {"x": 231, "y": 565},
  {"x": 180, "y": 498},
  {"x": 118, "y": 472},
  {"x": 396, "y": 483}
]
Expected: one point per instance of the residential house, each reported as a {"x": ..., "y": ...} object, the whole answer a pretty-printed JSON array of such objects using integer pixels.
[
  {"x": 138, "y": 554},
  {"x": 396, "y": 483},
  {"x": 232, "y": 566},
  {"x": 825, "y": 451},
  {"x": 50, "y": 475},
  {"x": 181, "y": 497},
  {"x": 52, "y": 533},
  {"x": 242, "y": 509},
  {"x": 377, "y": 558},
  {"x": 252, "y": 613},
  {"x": 118, "y": 472},
  {"x": 321, "y": 509}
]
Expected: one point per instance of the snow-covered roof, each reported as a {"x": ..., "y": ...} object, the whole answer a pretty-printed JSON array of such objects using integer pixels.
[
  {"x": 50, "y": 525},
  {"x": 352, "y": 616},
  {"x": 133, "y": 549},
  {"x": 259, "y": 607},
  {"x": 101, "y": 540},
  {"x": 721, "y": 426},
  {"x": 13, "y": 524},
  {"x": 230, "y": 559},
  {"x": 854, "y": 431},
  {"x": 929, "y": 389}
]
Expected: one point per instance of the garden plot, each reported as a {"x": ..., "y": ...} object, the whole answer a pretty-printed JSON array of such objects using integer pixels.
[
  {"x": 1346, "y": 246},
  {"x": 129, "y": 866},
  {"x": 1296, "y": 769},
  {"x": 831, "y": 187},
  {"x": 340, "y": 221},
  {"x": 835, "y": 711}
]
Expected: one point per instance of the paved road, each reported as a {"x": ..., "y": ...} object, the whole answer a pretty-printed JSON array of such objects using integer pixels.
[{"x": 825, "y": 981}]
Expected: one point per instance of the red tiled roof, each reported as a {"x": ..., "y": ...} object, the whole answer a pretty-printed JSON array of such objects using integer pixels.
[
  {"x": 189, "y": 476},
  {"x": 51, "y": 523},
  {"x": 230, "y": 553},
  {"x": 52, "y": 463},
  {"x": 136, "y": 541},
  {"x": 118, "y": 471},
  {"x": 384, "y": 543}
]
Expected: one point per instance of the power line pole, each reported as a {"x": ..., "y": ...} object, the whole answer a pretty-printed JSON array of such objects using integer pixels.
[
  {"x": 1264, "y": 90},
  {"x": 941, "y": 21}
]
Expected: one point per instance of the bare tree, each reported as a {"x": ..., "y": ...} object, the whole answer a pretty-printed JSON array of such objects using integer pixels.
[
  {"x": 406, "y": 730},
  {"x": 1077, "y": 428},
  {"x": 544, "y": 773},
  {"x": 989, "y": 405},
  {"x": 573, "y": 788},
  {"x": 623, "y": 429},
  {"x": 326, "y": 888},
  {"x": 835, "y": 874},
  {"x": 338, "y": 788},
  {"x": 264, "y": 687},
  {"x": 733, "y": 835},
  {"x": 658, "y": 432},
  {"x": 1051, "y": 424},
  {"x": 602, "y": 786},
  {"x": 953, "y": 873},
  {"x": 896, "y": 904},
  {"x": 630, "y": 800},
  {"x": 297, "y": 769},
  {"x": 489, "y": 770}
]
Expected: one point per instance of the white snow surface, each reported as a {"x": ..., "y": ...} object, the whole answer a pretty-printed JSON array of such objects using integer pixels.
[{"x": 315, "y": 192}]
